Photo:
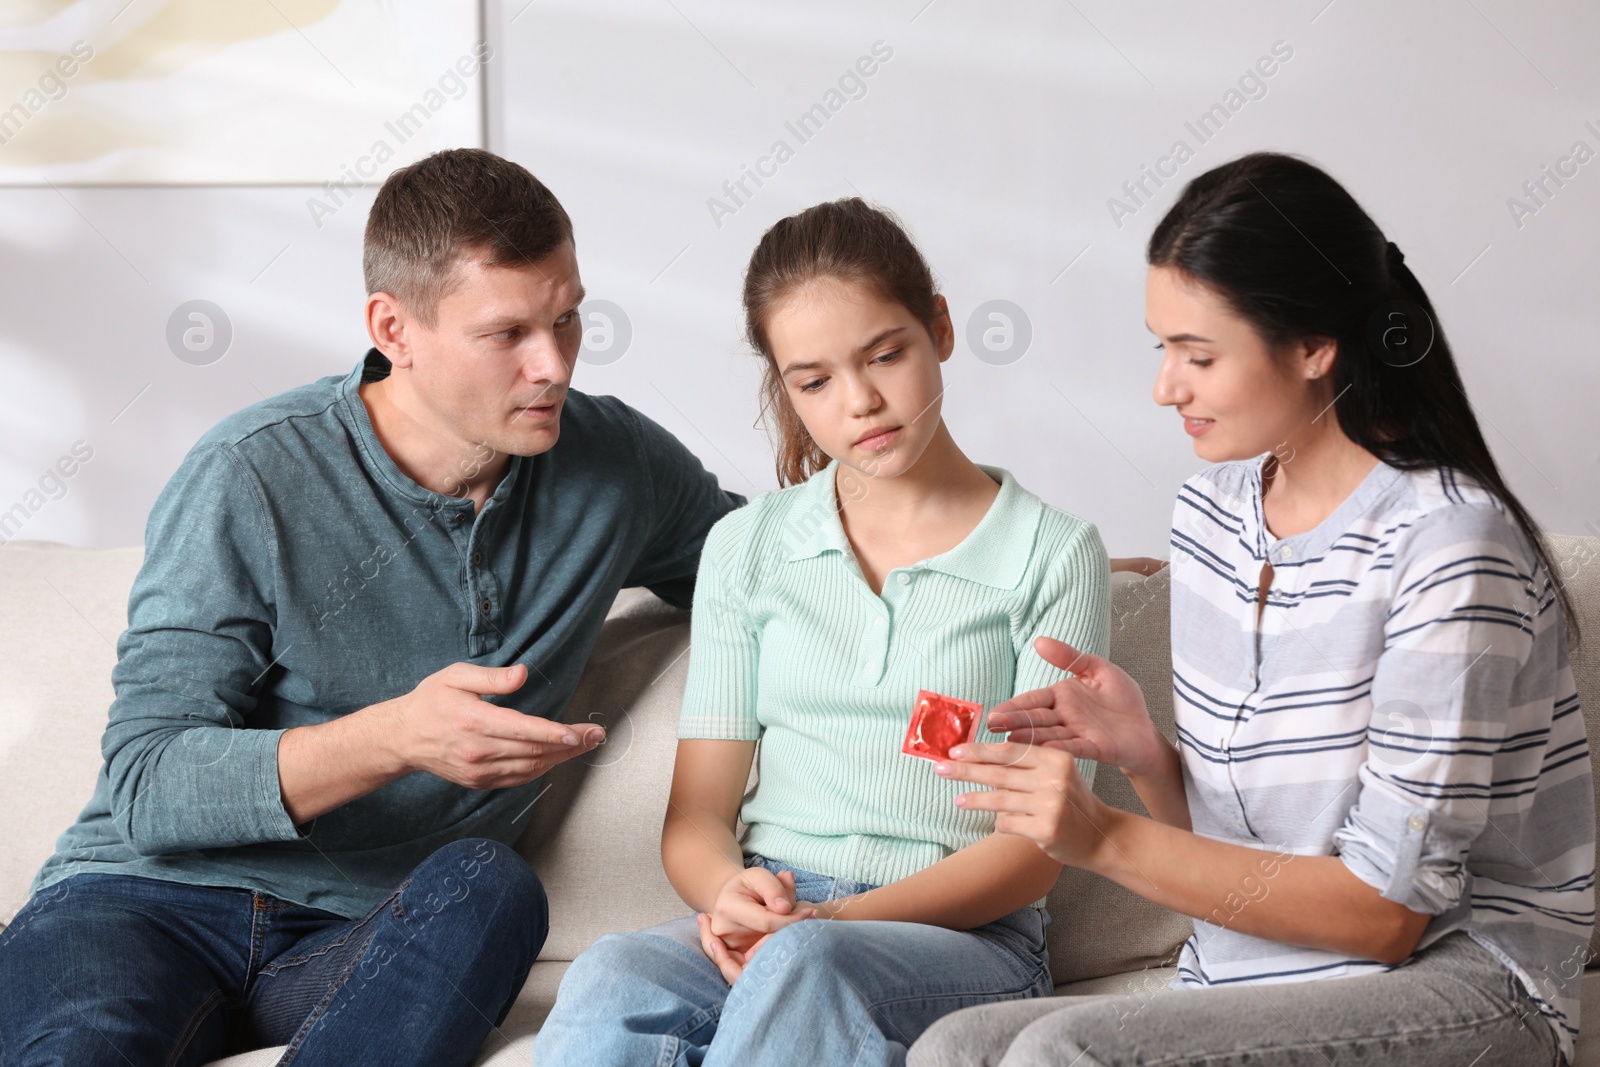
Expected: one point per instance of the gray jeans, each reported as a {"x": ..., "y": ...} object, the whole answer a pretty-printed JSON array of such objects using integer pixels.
[{"x": 1453, "y": 1005}]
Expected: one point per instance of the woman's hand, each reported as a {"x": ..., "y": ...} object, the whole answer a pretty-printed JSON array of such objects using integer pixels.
[
  {"x": 1098, "y": 714},
  {"x": 1037, "y": 793},
  {"x": 1315, "y": 901}
]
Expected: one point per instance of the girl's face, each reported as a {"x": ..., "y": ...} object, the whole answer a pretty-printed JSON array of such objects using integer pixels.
[
  {"x": 862, "y": 373},
  {"x": 1238, "y": 398}
]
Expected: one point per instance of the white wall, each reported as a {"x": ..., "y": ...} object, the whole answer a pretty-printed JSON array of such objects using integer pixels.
[{"x": 998, "y": 131}]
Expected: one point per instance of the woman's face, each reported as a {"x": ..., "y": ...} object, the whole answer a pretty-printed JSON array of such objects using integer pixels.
[
  {"x": 1238, "y": 398},
  {"x": 862, "y": 373}
]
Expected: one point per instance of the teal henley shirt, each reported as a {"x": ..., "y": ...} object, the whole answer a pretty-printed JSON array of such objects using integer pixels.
[{"x": 294, "y": 574}]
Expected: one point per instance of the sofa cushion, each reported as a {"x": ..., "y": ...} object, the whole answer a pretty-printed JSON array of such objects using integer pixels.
[
  {"x": 1097, "y": 927},
  {"x": 594, "y": 835},
  {"x": 61, "y": 611}
]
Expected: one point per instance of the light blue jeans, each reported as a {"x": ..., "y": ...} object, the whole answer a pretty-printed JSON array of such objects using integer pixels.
[{"x": 824, "y": 992}]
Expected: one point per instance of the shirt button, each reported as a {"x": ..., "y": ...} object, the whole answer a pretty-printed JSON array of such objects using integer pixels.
[
  {"x": 880, "y": 624},
  {"x": 477, "y": 559},
  {"x": 1415, "y": 822},
  {"x": 1286, "y": 552},
  {"x": 485, "y": 606},
  {"x": 459, "y": 516},
  {"x": 1252, "y": 676},
  {"x": 905, "y": 579}
]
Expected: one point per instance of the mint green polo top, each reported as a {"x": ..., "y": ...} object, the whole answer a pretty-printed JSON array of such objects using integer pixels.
[{"x": 790, "y": 646}]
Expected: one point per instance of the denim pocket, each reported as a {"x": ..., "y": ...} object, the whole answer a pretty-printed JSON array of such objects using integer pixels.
[
  {"x": 1026, "y": 926},
  {"x": 1038, "y": 924},
  {"x": 1023, "y": 934}
]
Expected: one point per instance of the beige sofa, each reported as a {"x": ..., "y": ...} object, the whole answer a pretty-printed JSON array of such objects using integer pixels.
[{"x": 593, "y": 839}]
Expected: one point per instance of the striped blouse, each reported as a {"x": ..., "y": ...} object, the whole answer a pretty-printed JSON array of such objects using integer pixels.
[{"x": 1406, "y": 703}]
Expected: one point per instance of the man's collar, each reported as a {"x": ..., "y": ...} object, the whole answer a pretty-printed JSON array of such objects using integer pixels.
[{"x": 375, "y": 367}]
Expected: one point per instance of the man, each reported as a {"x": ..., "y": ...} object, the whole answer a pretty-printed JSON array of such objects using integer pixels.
[{"x": 364, "y": 606}]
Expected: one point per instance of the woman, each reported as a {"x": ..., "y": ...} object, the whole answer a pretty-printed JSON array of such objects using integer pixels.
[
  {"x": 1379, "y": 812},
  {"x": 890, "y": 564}
]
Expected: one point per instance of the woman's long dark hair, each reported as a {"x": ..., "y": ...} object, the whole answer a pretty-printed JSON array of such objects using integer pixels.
[{"x": 1294, "y": 254}]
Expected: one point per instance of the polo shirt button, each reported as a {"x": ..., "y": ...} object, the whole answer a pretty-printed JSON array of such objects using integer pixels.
[
  {"x": 905, "y": 579},
  {"x": 880, "y": 624},
  {"x": 1415, "y": 822},
  {"x": 477, "y": 559},
  {"x": 485, "y": 606},
  {"x": 1286, "y": 552}
]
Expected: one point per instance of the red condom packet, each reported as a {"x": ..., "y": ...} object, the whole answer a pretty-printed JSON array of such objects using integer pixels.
[{"x": 938, "y": 724}]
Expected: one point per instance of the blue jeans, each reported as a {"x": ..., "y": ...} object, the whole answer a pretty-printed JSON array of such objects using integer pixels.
[
  {"x": 839, "y": 992},
  {"x": 118, "y": 970}
]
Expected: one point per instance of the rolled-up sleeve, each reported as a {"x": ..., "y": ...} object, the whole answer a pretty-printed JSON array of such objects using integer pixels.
[
  {"x": 185, "y": 768},
  {"x": 1459, "y": 631}
]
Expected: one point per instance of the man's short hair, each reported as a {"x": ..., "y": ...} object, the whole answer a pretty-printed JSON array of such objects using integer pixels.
[{"x": 453, "y": 204}]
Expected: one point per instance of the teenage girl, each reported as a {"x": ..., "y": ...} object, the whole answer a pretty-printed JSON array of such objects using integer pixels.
[
  {"x": 861, "y": 904},
  {"x": 1379, "y": 811}
]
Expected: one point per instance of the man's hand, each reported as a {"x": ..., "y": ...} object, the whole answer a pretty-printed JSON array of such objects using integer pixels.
[{"x": 444, "y": 727}]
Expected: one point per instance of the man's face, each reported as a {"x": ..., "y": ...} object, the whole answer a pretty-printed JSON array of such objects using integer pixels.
[{"x": 494, "y": 369}]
